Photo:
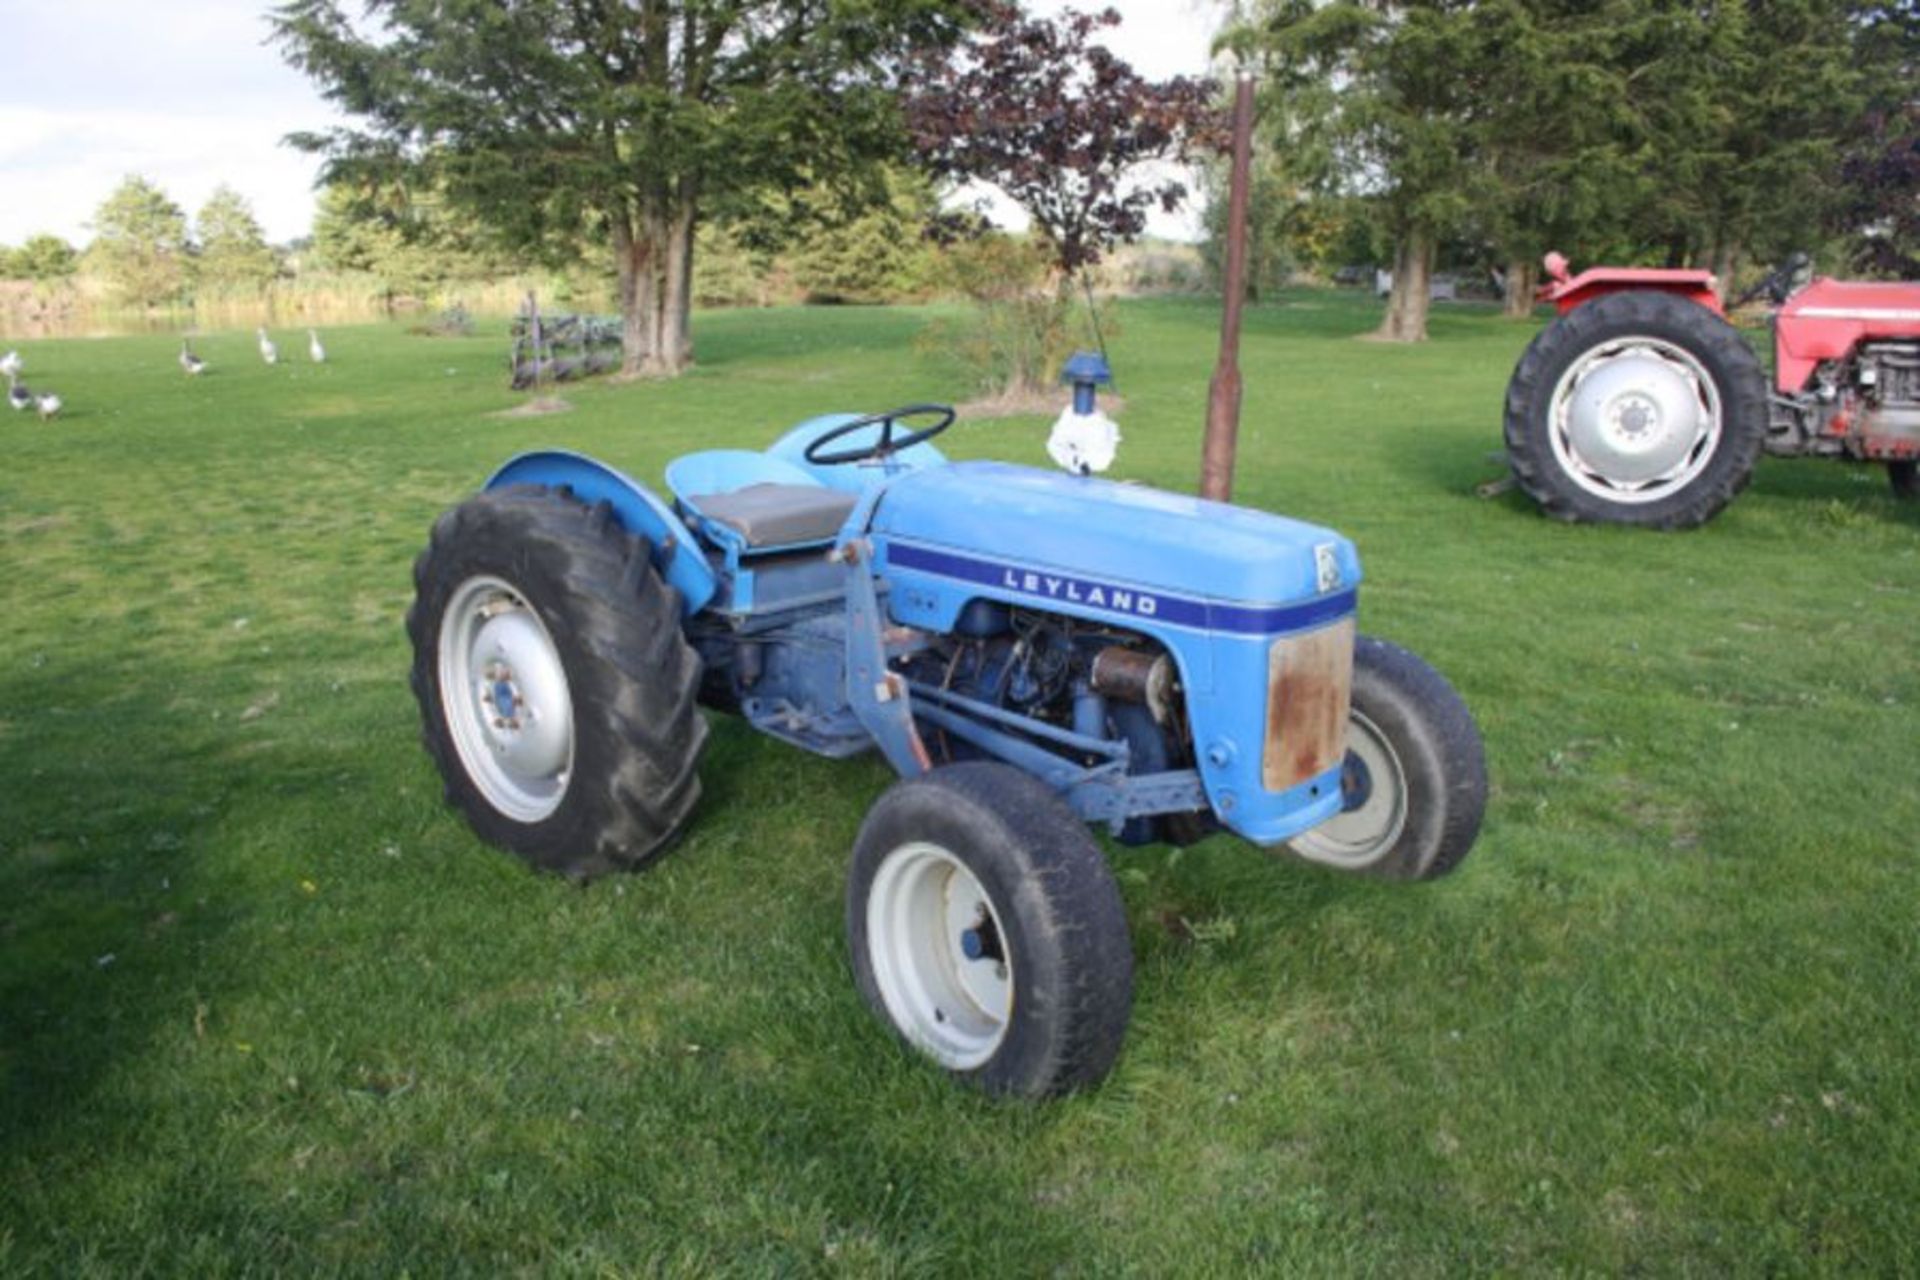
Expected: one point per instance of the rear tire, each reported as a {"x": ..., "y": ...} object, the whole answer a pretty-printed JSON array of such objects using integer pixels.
[
  {"x": 1415, "y": 776},
  {"x": 556, "y": 690},
  {"x": 988, "y": 932},
  {"x": 1636, "y": 408},
  {"x": 1905, "y": 479}
]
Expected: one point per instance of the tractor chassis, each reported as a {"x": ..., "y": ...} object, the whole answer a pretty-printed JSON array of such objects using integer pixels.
[{"x": 839, "y": 711}]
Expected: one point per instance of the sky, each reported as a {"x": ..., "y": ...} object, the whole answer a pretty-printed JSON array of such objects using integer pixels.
[{"x": 189, "y": 94}]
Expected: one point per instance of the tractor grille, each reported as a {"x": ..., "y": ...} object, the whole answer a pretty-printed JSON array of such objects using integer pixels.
[{"x": 1309, "y": 677}]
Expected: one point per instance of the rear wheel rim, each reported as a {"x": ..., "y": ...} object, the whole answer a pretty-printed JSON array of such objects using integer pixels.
[
  {"x": 941, "y": 959},
  {"x": 1358, "y": 837},
  {"x": 1635, "y": 420},
  {"x": 505, "y": 700}
]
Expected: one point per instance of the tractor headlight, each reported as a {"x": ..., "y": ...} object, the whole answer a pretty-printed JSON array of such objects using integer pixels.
[{"x": 1309, "y": 677}]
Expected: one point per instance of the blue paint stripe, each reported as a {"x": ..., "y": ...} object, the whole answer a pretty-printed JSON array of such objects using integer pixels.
[{"x": 1159, "y": 606}]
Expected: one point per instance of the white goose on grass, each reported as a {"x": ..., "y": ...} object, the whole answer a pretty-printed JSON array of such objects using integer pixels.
[
  {"x": 10, "y": 364},
  {"x": 268, "y": 352},
  {"x": 314, "y": 349},
  {"x": 192, "y": 363},
  {"x": 48, "y": 405}
]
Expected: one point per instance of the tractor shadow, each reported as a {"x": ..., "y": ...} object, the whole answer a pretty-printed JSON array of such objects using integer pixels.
[{"x": 1819, "y": 490}]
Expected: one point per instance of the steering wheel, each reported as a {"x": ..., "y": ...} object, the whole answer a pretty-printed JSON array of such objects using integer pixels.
[
  {"x": 887, "y": 443},
  {"x": 1777, "y": 285}
]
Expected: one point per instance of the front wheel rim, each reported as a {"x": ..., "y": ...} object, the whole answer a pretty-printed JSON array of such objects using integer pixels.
[
  {"x": 1360, "y": 836},
  {"x": 1635, "y": 420},
  {"x": 941, "y": 958},
  {"x": 505, "y": 700}
]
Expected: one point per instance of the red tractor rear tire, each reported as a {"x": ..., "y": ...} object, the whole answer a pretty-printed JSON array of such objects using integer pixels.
[
  {"x": 1905, "y": 478},
  {"x": 1638, "y": 408}
]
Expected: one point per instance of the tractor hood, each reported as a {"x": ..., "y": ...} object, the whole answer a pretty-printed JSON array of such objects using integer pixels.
[{"x": 1093, "y": 545}]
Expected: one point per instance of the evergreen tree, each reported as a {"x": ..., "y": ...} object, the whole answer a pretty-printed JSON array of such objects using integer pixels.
[
  {"x": 547, "y": 118},
  {"x": 410, "y": 241},
  {"x": 233, "y": 249},
  {"x": 1383, "y": 101},
  {"x": 876, "y": 255},
  {"x": 140, "y": 243}
]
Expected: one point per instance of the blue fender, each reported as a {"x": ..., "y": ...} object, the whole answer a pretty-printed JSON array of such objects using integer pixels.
[{"x": 676, "y": 555}]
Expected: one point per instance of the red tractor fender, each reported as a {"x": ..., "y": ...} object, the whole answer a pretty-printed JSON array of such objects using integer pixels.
[{"x": 1567, "y": 291}]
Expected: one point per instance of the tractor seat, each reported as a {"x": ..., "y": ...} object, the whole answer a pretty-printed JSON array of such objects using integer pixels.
[{"x": 776, "y": 515}]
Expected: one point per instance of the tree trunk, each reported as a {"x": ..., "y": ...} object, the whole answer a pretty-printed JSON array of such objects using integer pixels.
[
  {"x": 676, "y": 337},
  {"x": 669, "y": 344},
  {"x": 1523, "y": 277},
  {"x": 1412, "y": 281},
  {"x": 1725, "y": 262},
  {"x": 634, "y": 257}
]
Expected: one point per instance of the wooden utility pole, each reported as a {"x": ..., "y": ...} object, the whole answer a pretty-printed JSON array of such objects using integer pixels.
[{"x": 1223, "y": 396}]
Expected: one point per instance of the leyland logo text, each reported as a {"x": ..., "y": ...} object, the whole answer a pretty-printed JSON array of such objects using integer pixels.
[{"x": 1074, "y": 591}]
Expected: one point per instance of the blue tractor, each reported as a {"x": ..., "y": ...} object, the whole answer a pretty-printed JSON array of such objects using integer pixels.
[{"x": 1031, "y": 651}]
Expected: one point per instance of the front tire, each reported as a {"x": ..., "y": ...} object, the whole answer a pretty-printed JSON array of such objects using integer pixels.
[
  {"x": 988, "y": 932},
  {"x": 1905, "y": 479},
  {"x": 1415, "y": 779},
  {"x": 556, "y": 690},
  {"x": 1636, "y": 408}
]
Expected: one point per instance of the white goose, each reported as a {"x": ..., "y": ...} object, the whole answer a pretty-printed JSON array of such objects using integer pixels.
[
  {"x": 10, "y": 364},
  {"x": 192, "y": 363},
  {"x": 268, "y": 352},
  {"x": 49, "y": 406},
  {"x": 314, "y": 349}
]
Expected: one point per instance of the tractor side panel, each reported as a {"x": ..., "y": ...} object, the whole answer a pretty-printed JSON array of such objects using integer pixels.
[
  {"x": 676, "y": 555},
  {"x": 1829, "y": 318},
  {"x": 1224, "y": 653}
]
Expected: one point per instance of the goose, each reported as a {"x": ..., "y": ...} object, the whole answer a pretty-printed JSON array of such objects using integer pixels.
[
  {"x": 49, "y": 406},
  {"x": 10, "y": 364},
  {"x": 17, "y": 396},
  {"x": 192, "y": 363},
  {"x": 268, "y": 352},
  {"x": 314, "y": 349}
]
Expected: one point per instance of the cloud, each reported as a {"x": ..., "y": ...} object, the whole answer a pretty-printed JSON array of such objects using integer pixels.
[
  {"x": 189, "y": 94},
  {"x": 56, "y": 166}
]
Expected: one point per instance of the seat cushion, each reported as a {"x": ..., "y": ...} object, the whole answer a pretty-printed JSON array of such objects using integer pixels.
[{"x": 772, "y": 515}]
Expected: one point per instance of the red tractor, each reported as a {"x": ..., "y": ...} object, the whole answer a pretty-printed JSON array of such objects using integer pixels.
[{"x": 1642, "y": 405}]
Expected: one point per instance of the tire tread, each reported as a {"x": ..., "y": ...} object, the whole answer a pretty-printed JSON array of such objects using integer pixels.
[
  {"x": 622, "y": 629},
  {"x": 1743, "y": 408}
]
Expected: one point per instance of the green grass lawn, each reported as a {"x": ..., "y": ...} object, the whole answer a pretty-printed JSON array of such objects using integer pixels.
[{"x": 266, "y": 1005}]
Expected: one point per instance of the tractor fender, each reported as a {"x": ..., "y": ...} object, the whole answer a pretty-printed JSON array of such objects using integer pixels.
[
  {"x": 676, "y": 555},
  {"x": 1566, "y": 291}
]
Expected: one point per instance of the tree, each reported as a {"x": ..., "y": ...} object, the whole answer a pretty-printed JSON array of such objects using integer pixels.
[
  {"x": 1382, "y": 101},
  {"x": 1556, "y": 167},
  {"x": 233, "y": 249},
  {"x": 140, "y": 243},
  {"x": 547, "y": 118},
  {"x": 1744, "y": 162},
  {"x": 1275, "y": 211},
  {"x": 1040, "y": 110},
  {"x": 43, "y": 257},
  {"x": 409, "y": 241},
  {"x": 875, "y": 254},
  {"x": 1882, "y": 185},
  {"x": 1879, "y": 208}
]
